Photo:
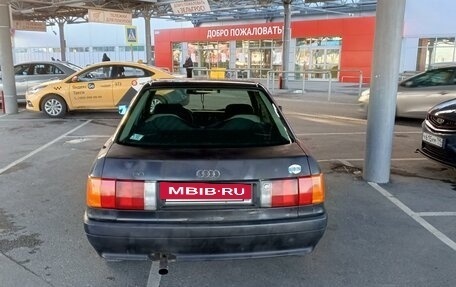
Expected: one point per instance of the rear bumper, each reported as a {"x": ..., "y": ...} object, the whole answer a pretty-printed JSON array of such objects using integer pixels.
[{"x": 211, "y": 241}]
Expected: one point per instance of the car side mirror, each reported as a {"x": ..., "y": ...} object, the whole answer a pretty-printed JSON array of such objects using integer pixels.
[
  {"x": 75, "y": 79},
  {"x": 122, "y": 109},
  {"x": 280, "y": 107}
]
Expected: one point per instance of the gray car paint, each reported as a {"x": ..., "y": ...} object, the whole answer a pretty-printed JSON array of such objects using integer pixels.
[{"x": 25, "y": 81}]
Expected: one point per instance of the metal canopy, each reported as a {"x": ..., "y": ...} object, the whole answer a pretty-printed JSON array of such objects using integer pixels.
[{"x": 72, "y": 11}]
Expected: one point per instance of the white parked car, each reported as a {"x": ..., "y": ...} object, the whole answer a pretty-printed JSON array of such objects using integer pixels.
[{"x": 417, "y": 94}]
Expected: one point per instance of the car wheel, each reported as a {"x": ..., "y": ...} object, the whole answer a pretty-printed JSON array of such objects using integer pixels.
[
  {"x": 155, "y": 101},
  {"x": 54, "y": 106}
]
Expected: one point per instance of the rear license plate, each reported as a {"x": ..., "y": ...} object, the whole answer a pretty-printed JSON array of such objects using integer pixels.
[
  {"x": 185, "y": 191},
  {"x": 433, "y": 140}
]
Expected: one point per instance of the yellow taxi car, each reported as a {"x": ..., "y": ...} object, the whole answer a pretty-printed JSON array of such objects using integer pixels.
[{"x": 100, "y": 86}]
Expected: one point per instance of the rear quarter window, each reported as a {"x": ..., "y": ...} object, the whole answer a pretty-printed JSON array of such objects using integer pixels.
[{"x": 132, "y": 72}]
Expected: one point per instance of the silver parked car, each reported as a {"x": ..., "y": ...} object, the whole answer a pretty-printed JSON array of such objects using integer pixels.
[
  {"x": 31, "y": 74},
  {"x": 417, "y": 94}
]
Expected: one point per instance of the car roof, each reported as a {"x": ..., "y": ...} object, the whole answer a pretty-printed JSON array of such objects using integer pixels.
[
  {"x": 126, "y": 63},
  {"x": 43, "y": 62},
  {"x": 443, "y": 67}
]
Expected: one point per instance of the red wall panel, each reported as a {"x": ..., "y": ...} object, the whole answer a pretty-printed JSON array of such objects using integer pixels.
[{"x": 358, "y": 42}]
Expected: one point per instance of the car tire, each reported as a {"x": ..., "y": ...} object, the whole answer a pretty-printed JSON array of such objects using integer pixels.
[
  {"x": 54, "y": 106},
  {"x": 155, "y": 101}
]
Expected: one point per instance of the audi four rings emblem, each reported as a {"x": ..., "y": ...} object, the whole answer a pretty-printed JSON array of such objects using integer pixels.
[{"x": 208, "y": 173}]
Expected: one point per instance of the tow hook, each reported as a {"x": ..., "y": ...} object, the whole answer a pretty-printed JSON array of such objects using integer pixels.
[
  {"x": 163, "y": 265},
  {"x": 163, "y": 260}
]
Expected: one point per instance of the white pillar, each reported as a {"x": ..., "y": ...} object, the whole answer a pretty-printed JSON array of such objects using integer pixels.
[
  {"x": 286, "y": 41},
  {"x": 383, "y": 91},
  {"x": 148, "y": 37},
  {"x": 6, "y": 61}
]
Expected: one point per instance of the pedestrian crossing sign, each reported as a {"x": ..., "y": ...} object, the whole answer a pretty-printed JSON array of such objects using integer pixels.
[{"x": 131, "y": 35}]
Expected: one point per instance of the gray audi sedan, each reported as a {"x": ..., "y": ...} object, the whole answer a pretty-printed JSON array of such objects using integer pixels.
[{"x": 218, "y": 176}]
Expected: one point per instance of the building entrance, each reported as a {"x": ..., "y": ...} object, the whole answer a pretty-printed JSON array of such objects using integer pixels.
[{"x": 314, "y": 54}]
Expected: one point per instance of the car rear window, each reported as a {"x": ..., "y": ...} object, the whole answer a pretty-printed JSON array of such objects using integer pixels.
[{"x": 210, "y": 117}]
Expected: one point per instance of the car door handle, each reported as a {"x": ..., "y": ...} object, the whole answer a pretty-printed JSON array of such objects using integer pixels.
[{"x": 443, "y": 93}]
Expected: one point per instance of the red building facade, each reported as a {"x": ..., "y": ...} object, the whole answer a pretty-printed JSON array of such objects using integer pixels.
[{"x": 343, "y": 45}]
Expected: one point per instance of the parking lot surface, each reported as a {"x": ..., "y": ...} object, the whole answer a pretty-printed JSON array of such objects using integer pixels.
[{"x": 396, "y": 234}]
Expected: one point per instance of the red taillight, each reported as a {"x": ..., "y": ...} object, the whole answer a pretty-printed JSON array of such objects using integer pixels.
[
  {"x": 293, "y": 192},
  {"x": 108, "y": 193},
  {"x": 311, "y": 189},
  {"x": 284, "y": 192},
  {"x": 130, "y": 195},
  {"x": 120, "y": 194}
]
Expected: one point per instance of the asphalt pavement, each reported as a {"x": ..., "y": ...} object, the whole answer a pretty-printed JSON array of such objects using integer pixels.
[{"x": 397, "y": 234}]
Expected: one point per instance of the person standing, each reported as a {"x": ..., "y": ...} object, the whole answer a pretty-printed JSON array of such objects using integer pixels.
[
  {"x": 188, "y": 65},
  {"x": 105, "y": 58}
]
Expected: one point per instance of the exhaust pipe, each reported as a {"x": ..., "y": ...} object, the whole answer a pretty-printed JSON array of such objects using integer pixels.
[{"x": 163, "y": 265}]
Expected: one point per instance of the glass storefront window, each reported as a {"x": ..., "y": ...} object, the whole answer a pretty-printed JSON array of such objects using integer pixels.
[
  {"x": 432, "y": 51},
  {"x": 79, "y": 49},
  {"x": 277, "y": 51},
  {"x": 223, "y": 56},
  {"x": 129, "y": 49},
  {"x": 314, "y": 54},
  {"x": 103, "y": 49},
  {"x": 194, "y": 52},
  {"x": 177, "y": 56},
  {"x": 210, "y": 54},
  {"x": 259, "y": 57},
  {"x": 242, "y": 54},
  {"x": 266, "y": 43}
]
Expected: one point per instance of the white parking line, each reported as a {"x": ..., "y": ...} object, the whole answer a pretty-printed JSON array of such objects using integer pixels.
[
  {"x": 415, "y": 216},
  {"x": 154, "y": 278},
  {"x": 41, "y": 148},
  {"x": 36, "y": 120},
  {"x": 323, "y": 116},
  {"x": 331, "y": 134},
  {"x": 443, "y": 213},
  {"x": 322, "y": 121},
  {"x": 323, "y": 101},
  {"x": 90, "y": 136}
]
